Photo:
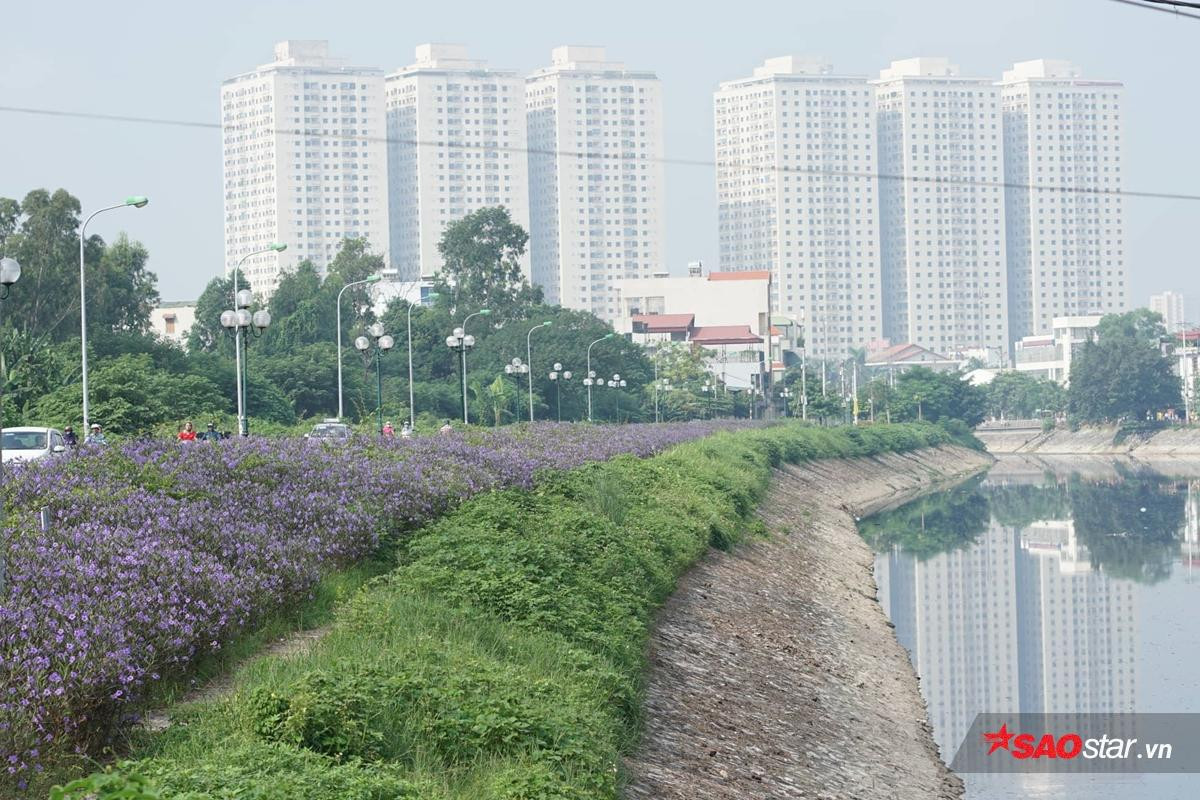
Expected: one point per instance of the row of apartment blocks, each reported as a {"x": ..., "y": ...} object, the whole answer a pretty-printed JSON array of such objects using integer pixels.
[
  {"x": 957, "y": 213},
  {"x": 316, "y": 150}
]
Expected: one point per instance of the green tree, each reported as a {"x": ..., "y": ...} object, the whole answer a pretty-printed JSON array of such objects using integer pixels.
[
  {"x": 129, "y": 395},
  {"x": 1123, "y": 373},
  {"x": 924, "y": 393},
  {"x": 1019, "y": 394},
  {"x": 122, "y": 291},
  {"x": 206, "y": 333},
  {"x": 481, "y": 256}
]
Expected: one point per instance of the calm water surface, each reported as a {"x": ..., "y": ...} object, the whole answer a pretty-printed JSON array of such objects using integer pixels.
[{"x": 1036, "y": 589}]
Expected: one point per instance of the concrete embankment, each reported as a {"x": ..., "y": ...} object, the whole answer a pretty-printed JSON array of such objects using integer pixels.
[
  {"x": 774, "y": 672},
  {"x": 1103, "y": 441}
]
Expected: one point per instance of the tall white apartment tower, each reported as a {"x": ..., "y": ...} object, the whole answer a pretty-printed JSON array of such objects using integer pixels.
[
  {"x": 456, "y": 132},
  {"x": 796, "y": 195},
  {"x": 1170, "y": 306},
  {"x": 1066, "y": 219},
  {"x": 941, "y": 160},
  {"x": 596, "y": 178},
  {"x": 304, "y": 160}
]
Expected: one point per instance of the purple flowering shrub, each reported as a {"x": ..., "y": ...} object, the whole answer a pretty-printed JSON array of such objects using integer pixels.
[{"x": 158, "y": 552}]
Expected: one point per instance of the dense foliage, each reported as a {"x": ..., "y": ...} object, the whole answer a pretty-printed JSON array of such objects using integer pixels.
[
  {"x": 504, "y": 657},
  {"x": 1124, "y": 374},
  {"x": 160, "y": 553},
  {"x": 1017, "y": 395}
]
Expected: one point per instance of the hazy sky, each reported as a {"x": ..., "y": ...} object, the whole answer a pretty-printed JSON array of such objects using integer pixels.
[{"x": 164, "y": 60}]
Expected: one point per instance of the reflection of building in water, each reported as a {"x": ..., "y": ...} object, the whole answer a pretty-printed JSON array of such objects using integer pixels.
[
  {"x": 1075, "y": 626},
  {"x": 1011, "y": 623},
  {"x": 956, "y": 615},
  {"x": 1189, "y": 549}
]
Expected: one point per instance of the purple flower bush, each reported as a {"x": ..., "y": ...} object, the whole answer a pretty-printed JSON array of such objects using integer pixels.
[{"x": 160, "y": 552}]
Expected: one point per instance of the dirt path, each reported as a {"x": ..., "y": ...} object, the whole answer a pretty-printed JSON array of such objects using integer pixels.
[
  {"x": 774, "y": 672},
  {"x": 294, "y": 644}
]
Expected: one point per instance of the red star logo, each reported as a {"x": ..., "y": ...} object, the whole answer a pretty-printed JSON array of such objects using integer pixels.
[{"x": 997, "y": 739}]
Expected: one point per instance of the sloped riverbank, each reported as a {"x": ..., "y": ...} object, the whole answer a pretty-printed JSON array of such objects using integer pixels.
[{"x": 774, "y": 671}]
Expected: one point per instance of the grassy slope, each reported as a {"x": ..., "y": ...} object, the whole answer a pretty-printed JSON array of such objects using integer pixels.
[{"x": 504, "y": 657}]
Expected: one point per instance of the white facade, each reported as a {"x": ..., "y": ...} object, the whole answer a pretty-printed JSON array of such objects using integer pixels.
[
  {"x": 596, "y": 179},
  {"x": 1049, "y": 356},
  {"x": 304, "y": 160},
  {"x": 456, "y": 132},
  {"x": 796, "y": 195},
  {"x": 1066, "y": 242},
  {"x": 942, "y": 234},
  {"x": 172, "y": 321},
  {"x": 717, "y": 301},
  {"x": 1170, "y": 306}
]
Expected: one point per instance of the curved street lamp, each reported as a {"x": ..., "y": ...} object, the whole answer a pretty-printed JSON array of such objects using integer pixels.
[
  {"x": 529, "y": 360},
  {"x": 383, "y": 343},
  {"x": 558, "y": 375},
  {"x": 10, "y": 273},
  {"x": 591, "y": 378},
  {"x": 137, "y": 201},
  {"x": 367, "y": 280}
]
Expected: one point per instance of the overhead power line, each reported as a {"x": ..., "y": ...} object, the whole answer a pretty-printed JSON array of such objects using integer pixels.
[
  {"x": 690, "y": 162},
  {"x": 1161, "y": 5}
]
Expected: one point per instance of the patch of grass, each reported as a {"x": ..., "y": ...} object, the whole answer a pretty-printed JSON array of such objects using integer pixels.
[{"x": 503, "y": 658}]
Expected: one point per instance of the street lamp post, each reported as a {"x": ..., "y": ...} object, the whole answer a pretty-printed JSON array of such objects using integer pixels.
[
  {"x": 617, "y": 383},
  {"x": 591, "y": 379},
  {"x": 238, "y": 296},
  {"x": 10, "y": 273},
  {"x": 786, "y": 394},
  {"x": 368, "y": 280},
  {"x": 917, "y": 397},
  {"x": 709, "y": 390},
  {"x": 529, "y": 361},
  {"x": 460, "y": 342},
  {"x": 137, "y": 201},
  {"x": 383, "y": 343},
  {"x": 239, "y": 322},
  {"x": 558, "y": 375},
  {"x": 412, "y": 406}
]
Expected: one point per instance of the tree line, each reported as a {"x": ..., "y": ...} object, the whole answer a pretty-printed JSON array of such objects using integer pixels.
[{"x": 140, "y": 383}]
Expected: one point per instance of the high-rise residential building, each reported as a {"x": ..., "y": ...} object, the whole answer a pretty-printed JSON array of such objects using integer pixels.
[
  {"x": 942, "y": 235},
  {"x": 304, "y": 160},
  {"x": 797, "y": 195},
  {"x": 596, "y": 177},
  {"x": 456, "y": 143},
  {"x": 1065, "y": 216},
  {"x": 1170, "y": 306}
]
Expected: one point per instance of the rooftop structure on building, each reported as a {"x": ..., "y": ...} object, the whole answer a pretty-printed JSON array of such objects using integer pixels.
[{"x": 898, "y": 357}]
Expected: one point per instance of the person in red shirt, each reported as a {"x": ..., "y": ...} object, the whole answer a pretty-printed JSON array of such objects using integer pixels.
[{"x": 188, "y": 434}]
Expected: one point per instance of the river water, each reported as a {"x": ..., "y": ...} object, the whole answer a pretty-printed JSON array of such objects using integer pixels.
[{"x": 1050, "y": 588}]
